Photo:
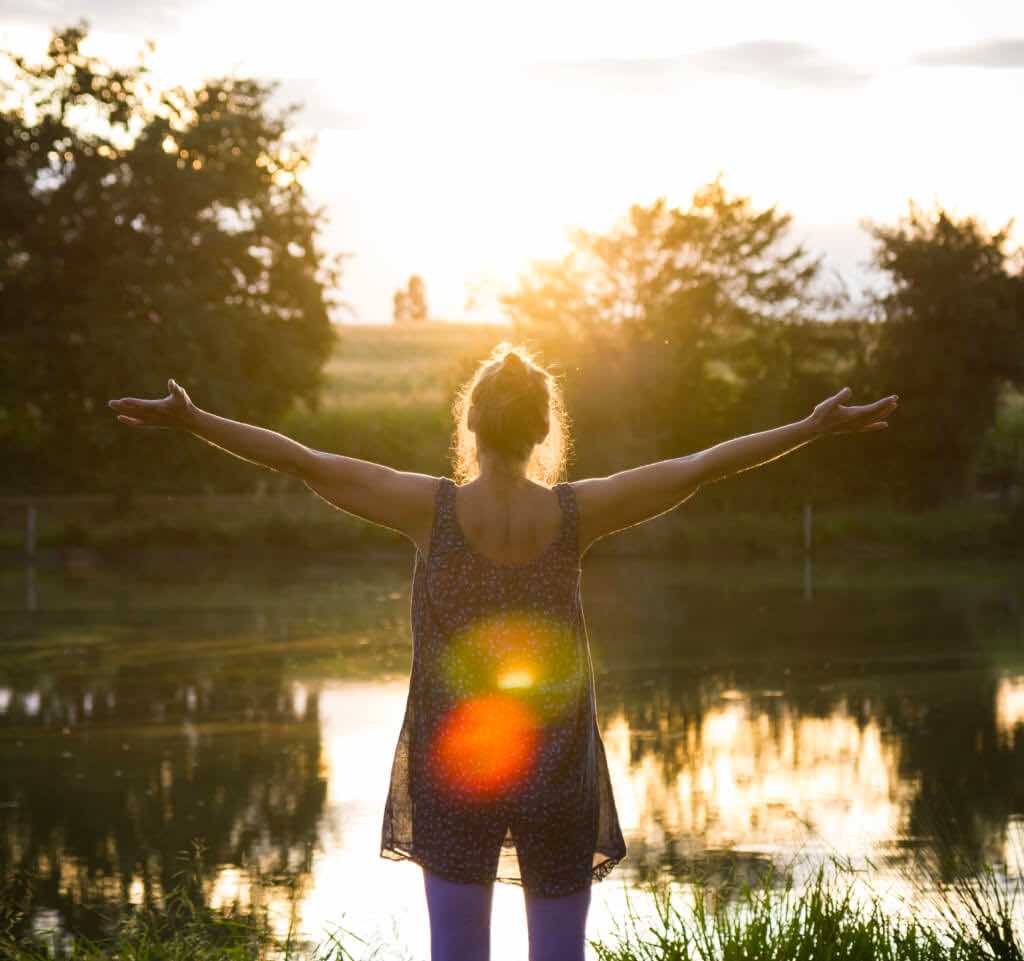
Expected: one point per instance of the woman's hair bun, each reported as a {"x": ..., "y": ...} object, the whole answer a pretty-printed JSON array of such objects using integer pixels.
[
  {"x": 516, "y": 403},
  {"x": 513, "y": 369}
]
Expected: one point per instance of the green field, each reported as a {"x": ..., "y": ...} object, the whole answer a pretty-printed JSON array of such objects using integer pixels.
[{"x": 405, "y": 366}]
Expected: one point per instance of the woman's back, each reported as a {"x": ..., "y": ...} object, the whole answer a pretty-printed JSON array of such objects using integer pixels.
[
  {"x": 499, "y": 748},
  {"x": 512, "y": 524}
]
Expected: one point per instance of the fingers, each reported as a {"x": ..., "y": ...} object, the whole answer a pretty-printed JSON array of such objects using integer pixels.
[
  {"x": 141, "y": 424},
  {"x": 836, "y": 399},
  {"x": 132, "y": 403},
  {"x": 855, "y": 416}
]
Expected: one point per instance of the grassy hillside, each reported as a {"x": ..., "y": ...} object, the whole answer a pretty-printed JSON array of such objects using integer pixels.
[
  {"x": 389, "y": 392},
  {"x": 407, "y": 366}
]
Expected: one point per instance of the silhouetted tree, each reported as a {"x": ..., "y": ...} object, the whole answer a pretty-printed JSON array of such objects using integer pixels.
[
  {"x": 410, "y": 304},
  {"x": 401, "y": 308},
  {"x": 952, "y": 339},
  {"x": 145, "y": 234},
  {"x": 672, "y": 321},
  {"x": 417, "y": 299}
]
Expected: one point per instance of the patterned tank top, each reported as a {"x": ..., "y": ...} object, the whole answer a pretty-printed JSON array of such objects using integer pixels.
[{"x": 499, "y": 772}]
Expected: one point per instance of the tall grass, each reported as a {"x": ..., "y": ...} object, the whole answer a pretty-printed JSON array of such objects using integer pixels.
[
  {"x": 834, "y": 916},
  {"x": 181, "y": 927}
]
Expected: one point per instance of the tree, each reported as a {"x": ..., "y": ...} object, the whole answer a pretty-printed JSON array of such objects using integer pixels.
[
  {"x": 417, "y": 299},
  {"x": 952, "y": 338},
  {"x": 401, "y": 307},
  {"x": 144, "y": 234},
  {"x": 665, "y": 323},
  {"x": 410, "y": 304}
]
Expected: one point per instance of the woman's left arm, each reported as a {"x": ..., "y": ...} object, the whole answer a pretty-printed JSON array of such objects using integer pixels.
[
  {"x": 753, "y": 450},
  {"x": 622, "y": 500}
]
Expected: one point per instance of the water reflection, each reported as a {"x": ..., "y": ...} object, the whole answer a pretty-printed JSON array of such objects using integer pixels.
[
  {"x": 756, "y": 778},
  {"x": 1010, "y": 707},
  {"x": 267, "y": 733},
  {"x": 103, "y": 788}
]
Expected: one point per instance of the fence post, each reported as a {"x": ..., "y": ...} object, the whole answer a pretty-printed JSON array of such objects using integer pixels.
[
  {"x": 31, "y": 594},
  {"x": 808, "y": 569},
  {"x": 30, "y": 530}
]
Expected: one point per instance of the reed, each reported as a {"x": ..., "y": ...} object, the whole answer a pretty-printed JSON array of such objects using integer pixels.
[{"x": 834, "y": 916}]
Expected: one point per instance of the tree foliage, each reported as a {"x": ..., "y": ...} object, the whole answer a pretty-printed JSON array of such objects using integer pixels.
[
  {"x": 951, "y": 340},
  {"x": 148, "y": 233},
  {"x": 671, "y": 323}
]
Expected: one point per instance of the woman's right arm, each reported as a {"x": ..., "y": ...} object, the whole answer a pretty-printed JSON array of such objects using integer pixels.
[{"x": 400, "y": 500}]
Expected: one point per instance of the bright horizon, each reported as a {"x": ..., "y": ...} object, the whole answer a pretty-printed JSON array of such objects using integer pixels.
[{"x": 461, "y": 142}]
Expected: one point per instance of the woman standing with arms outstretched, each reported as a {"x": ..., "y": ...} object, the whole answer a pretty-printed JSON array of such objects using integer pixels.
[{"x": 499, "y": 772}]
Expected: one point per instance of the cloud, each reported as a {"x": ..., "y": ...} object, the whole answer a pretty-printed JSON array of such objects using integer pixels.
[
  {"x": 319, "y": 103},
  {"x": 145, "y": 17},
  {"x": 1005, "y": 52},
  {"x": 637, "y": 76},
  {"x": 781, "y": 62},
  {"x": 778, "y": 62}
]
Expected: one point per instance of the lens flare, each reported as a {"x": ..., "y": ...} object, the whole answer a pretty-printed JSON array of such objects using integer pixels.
[
  {"x": 506, "y": 678},
  {"x": 519, "y": 652},
  {"x": 485, "y": 747},
  {"x": 515, "y": 677}
]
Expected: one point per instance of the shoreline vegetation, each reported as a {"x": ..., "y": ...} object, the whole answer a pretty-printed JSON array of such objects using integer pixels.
[
  {"x": 835, "y": 914},
  {"x": 72, "y": 530},
  {"x": 386, "y": 397}
]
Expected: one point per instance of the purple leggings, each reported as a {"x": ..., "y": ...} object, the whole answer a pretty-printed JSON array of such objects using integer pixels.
[{"x": 460, "y": 922}]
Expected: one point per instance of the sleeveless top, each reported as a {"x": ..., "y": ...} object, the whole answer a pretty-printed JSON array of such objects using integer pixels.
[{"x": 500, "y": 729}]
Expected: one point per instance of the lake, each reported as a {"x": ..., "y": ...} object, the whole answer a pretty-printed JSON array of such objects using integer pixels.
[{"x": 756, "y": 717}]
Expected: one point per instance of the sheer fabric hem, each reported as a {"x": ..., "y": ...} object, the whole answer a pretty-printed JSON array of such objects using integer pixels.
[{"x": 598, "y": 873}]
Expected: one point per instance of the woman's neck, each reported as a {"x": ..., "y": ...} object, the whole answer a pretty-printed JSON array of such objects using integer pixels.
[{"x": 500, "y": 472}]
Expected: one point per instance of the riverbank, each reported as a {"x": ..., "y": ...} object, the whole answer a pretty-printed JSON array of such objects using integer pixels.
[{"x": 74, "y": 530}]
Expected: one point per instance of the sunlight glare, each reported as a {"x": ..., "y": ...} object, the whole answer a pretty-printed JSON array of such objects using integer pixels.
[{"x": 515, "y": 677}]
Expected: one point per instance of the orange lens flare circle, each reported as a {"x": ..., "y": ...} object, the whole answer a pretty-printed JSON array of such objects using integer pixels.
[{"x": 485, "y": 746}]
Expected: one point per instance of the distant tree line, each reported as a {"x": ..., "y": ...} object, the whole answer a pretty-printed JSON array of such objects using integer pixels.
[
  {"x": 154, "y": 233},
  {"x": 685, "y": 327}
]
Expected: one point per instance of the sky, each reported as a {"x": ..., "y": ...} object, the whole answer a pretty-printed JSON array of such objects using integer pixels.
[{"x": 462, "y": 140}]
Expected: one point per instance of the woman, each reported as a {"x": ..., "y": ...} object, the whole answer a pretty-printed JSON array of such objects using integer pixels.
[{"x": 500, "y": 772}]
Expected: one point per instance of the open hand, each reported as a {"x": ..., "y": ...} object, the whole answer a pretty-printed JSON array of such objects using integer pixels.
[
  {"x": 172, "y": 411},
  {"x": 831, "y": 417}
]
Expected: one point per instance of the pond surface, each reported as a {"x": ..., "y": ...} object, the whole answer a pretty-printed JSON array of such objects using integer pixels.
[{"x": 754, "y": 717}]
